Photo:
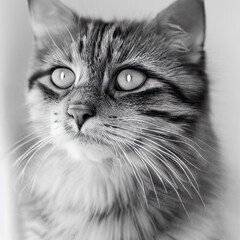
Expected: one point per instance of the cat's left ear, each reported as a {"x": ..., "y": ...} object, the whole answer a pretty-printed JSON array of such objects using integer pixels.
[
  {"x": 189, "y": 16},
  {"x": 49, "y": 16}
]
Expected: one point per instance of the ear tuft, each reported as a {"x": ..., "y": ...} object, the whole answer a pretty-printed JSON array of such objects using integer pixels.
[
  {"x": 49, "y": 16},
  {"x": 189, "y": 16}
]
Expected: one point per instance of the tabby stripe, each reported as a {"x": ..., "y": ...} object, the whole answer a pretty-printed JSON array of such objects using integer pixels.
[
  {"x": 92, "y": 46},
  {"x": 38, "y": 75},
  {"x": 83, "y": 26},
  {"x": 109, "y": 54},
  {"x": 197, "y": 68},
  {"x": 178, "y": 93},
  {"x": 117, "y": 32},
  {"x": 80, "y": 48},
  {"x": 98, "y": 27},
  {"x": 174, "y": 91},
  {"x": 168, "y": 117},
  {"x": 100, "y": 38},
  {"x": 161, "y": 90}
]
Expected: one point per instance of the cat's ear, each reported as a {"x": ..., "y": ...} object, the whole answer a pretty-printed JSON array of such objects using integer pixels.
[
  {"x": 189, "y": 16},
  {"x": 49, "y": 16}
]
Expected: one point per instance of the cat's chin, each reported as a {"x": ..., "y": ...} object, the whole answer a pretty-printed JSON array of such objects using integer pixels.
[{"x": 86, "y": 151}]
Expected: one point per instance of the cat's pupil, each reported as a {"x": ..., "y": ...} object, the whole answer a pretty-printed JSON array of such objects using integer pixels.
[
  {"x": 129, "y": 78},
  {"x": 62, "y": 75}
]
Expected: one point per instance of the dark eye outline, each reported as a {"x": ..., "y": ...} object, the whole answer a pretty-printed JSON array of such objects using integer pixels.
[
  {"x": 118, "y": 88},
  {"x": 55, "y": 85}
]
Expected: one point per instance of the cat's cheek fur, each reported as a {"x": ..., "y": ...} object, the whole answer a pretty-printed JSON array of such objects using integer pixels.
[
  {"x": 61, "y": 138},
  {"x": 37, "y": 110}
]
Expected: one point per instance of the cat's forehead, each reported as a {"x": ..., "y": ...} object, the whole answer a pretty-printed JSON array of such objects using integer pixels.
[
  {"x": 97, "y": 43},
  {"x": 90, "y": 47},
  {"x": 96, "y": 50}
]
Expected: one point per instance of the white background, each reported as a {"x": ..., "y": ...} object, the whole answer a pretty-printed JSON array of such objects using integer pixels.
[{"x": 223, "y": 54}]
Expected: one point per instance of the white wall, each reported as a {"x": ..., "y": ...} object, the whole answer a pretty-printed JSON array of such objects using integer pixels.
[{"x": 223, "y": 51}]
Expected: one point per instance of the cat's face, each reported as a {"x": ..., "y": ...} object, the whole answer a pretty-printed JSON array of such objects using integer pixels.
[{"x": 100, "y": 89}]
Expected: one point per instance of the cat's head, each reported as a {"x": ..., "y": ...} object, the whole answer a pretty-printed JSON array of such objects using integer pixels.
[{"x": 102, "y": 89}]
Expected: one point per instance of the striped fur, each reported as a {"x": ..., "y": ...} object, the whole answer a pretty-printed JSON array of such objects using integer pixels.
[{"x": 144, "y": 167}]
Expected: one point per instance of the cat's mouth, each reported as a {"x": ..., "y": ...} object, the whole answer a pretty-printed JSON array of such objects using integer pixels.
[
  {"x": 87, "y": 148},
  {"x": 97, "y": 134},
  {"x": 83, "y": 138}
]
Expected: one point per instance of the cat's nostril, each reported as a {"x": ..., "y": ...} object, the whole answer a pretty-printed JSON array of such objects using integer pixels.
[
  {"x": 86, "y": 116},
  {"x": 80, "y": 113}
]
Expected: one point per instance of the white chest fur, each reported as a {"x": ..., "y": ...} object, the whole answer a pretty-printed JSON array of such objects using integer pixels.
[
  {"x": 76, "y": 197},
  {"x": 72, "y": 192}
]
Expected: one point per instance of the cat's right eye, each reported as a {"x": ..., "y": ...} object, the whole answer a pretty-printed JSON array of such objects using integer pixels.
[
  {"x": 130, "y": 79},
  {"x": 63, "y": 78}
]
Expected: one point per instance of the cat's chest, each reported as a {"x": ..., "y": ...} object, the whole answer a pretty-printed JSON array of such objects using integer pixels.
[
  {"x": 92, "y": 186},
  {"x": 86, "y": 201},
  {"x": 76, "y": 225}
]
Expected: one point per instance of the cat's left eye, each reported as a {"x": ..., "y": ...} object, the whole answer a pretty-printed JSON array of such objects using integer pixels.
[
  {"x": 63, "y": 78},
  {"x": 130, "y": 79}
]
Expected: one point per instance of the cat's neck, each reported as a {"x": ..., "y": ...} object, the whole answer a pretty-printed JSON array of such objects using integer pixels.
[
  {"x": 95, "y": 186},
  {"x": 96, "y": 196},
  {"x": 93, "y": 194}
]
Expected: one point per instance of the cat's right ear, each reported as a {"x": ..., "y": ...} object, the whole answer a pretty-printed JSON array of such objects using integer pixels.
[
  {"x": 188, "y": 17},
  {"x": 49, "y": 16}
]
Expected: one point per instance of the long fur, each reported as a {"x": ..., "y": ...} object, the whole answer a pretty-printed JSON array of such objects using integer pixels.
[{"x": 145, "y": 167}]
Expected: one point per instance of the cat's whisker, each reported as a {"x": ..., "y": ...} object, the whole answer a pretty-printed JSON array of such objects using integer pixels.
[
  {"x": 32, "y": 134},
  {"x": 150, "y": 176},
  {"x": 60, "y": 52},
  {"x": 143, "y": 135},
  {"x": 156, "y": 137},
  {"x": 154, "y": 167},
  {"x": 180, "y": 163},
  {"x": 21, "y": 144},
  {"x": 161, "y": 130},
  {"x": 162, "y": 159},
  {"x": 71, "y": 36},
  {"x": 29, "y": 151},
  {"x": 171, "y": 168},
  {"x": 161, "y": 176},
  {"x": 20, "y": 140},
  {"x": 39, "y": 147},
  {"x": 116, "y": 154},
  {"x": 176, "y": 159},
  {"x": 45, "y": 157},
  {"x": 161, "y": 146},
  {"x": 131, "y": 141},
  {"x": 178, "y": 195},
  {"x": 135, "y": 172},
  {"x": 167, "y": 165}
]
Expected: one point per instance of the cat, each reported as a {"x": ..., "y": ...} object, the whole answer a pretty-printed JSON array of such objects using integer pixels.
[{"x": 125, "y": 148}]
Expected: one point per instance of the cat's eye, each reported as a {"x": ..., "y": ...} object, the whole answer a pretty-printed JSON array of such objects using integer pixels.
[
  {"x": 130, "y": 79},
  {"x": 63, "y": 78}
]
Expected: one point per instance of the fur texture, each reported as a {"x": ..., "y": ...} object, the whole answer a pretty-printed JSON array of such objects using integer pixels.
[{"x": 144, "y": 166}]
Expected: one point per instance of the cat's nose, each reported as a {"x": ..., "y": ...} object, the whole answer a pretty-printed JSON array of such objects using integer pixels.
[{"x": 81, "y": 113}]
